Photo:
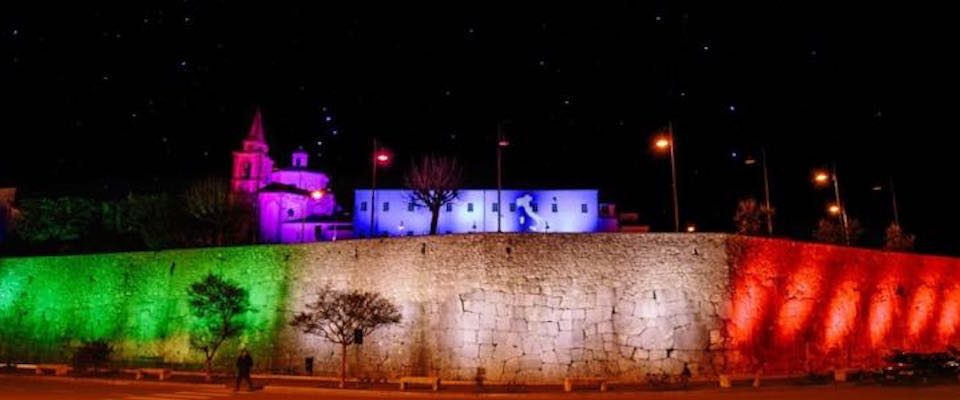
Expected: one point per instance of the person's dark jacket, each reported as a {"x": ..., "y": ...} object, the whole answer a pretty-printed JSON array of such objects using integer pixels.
[{"x": 244, "y": 363}]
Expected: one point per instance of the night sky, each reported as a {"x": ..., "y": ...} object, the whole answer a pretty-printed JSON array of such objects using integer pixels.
[{"x": 103, "y": 99}]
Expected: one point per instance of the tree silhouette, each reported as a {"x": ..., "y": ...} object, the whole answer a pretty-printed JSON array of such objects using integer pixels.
[
  {"x": 338, "y": 315},
  {"x": 897, "y": 240},
  {"x": 216, "y": 217},
  {"x": 830, "y": 231},
  {"x": 750, "y": 217},
  {"x": 434, "y": 183},
  {"x": 216, "y": 305}
]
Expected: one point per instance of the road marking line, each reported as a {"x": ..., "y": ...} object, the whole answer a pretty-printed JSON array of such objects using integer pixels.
[{"x": 220, "y": 394}]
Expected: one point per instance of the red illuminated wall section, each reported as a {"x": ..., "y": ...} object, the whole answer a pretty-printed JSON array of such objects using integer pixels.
[{"x": 808, "y": 307}]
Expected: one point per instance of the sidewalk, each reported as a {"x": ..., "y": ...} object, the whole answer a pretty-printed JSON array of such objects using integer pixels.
[{"x": 291, "y": 384}]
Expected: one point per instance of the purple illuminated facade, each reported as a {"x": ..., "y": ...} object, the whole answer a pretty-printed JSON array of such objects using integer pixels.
[{"x": 292, "y": 204}]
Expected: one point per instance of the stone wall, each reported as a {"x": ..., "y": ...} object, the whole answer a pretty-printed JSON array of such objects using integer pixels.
[
  {"x": 521, "y": 308},
  {"x": 530, "y": 307}
]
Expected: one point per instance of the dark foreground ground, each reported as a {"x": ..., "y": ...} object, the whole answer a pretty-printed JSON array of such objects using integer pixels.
[{"x": 23, "y": 388}]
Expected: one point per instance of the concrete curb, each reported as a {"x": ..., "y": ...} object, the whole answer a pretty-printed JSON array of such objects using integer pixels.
[
  {"x": 112, "y": 382},
  {"x": 342, "y": 393}
]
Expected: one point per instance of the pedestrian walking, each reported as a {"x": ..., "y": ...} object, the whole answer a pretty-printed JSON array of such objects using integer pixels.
[{"x": 244, "y": 363}]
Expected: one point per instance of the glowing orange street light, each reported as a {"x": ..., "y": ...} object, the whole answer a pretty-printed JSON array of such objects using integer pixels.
[
  {"x": 380, "y": 157},
  {"x": 691, "y": 228},
  {"x": 663, "y": 143},
  {"x": 821, "y": 178},
  {"x": 316, "y": 194}
]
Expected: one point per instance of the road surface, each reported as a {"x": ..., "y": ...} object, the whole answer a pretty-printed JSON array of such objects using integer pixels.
[{"x": 39, "y": 389}]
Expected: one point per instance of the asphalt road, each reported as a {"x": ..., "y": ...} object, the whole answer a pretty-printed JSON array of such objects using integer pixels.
[{"x": 34, "y": 389}]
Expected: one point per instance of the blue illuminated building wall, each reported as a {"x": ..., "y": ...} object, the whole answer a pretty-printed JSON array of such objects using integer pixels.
[{"x": 542, "y": 211}]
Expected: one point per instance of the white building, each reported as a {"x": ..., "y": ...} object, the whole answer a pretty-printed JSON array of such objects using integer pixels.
[{"x": 476, "y": 210}]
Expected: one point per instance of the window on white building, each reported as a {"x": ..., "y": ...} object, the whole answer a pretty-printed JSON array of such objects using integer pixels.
[
  {"x": 495, "y": 207},
  {"x": 449, "y": 207},
  {"x": 411, "y": 207},
  {"x": 386, "y": 206},
  {"x": 513, "y": 207},
  {"x": 363, "y": 206},
  {"x": 583, "y": 208},
  {"x": 553, "y": 207},
  {"x": 534, "y": 207},
  {"x": 469, "y": 207}
]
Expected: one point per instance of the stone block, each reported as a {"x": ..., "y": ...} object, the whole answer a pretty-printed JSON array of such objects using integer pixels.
[
  {"x": 469, "y": 320},
  {"x": 503, "y": 310},
  {"x": 646, "y": 308},
  {"x": 488, "y": 309},
  {"x": 605, "y": 327},
  {"x": 518, "y": 325},
  {"x": 486, "y": 351},
  {"x": 468, "y": 336},
  {"x": 488, "y": 321},
  {"x": 469, "y": 351},
  {"x": 485, "y": 336},
  {"x": 503, "y": 324},
  {"x": 605, "y": 297}
]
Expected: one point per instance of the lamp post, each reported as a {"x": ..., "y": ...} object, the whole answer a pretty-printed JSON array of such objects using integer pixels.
[
  {"x": 824, "y": 178},
  {"x": 893, "y": 201},
  {"x": 501, "y": 143},
  {"x": 768, "y": 214},
  {"x": 378, "y": 157},
  {"x": 766, "y": 191},
  {"x": 663, "y": 143}
]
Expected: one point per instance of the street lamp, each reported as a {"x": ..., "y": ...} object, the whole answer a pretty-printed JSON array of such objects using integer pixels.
[
  {"x": 823, "y": 178},
  {"x": 691, "y": 228},
  {"x": 750, "y": 161},
  {"x": 893, "y": 201},
  {"x": 379, "y": 157},
  {"x": 501, "y": 143},
  {"x": 663, "y": 143}
]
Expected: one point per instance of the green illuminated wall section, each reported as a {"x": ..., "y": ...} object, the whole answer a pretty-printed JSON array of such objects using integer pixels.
[{"x": 137, "y": 301}]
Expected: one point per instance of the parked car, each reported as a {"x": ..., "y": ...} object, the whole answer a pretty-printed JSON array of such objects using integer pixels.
[{"x": 902, "y": 366}]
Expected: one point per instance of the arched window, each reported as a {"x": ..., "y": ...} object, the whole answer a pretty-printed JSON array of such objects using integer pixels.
[{"x": 246, "y": 170}]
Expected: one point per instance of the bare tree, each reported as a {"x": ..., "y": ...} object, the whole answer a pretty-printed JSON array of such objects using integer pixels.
[
  {"x": 898, "y": 240},
  {"x": 750, "y": 217},
  {"x": 434, "y": 183},
  {"x": 219, "y": 219},
  {"x": 216, "y": 305},
  {"x": 338, "y": 316}
]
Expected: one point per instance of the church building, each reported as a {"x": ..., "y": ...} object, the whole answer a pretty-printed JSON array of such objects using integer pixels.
[{"x": 291, "y": 204}]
